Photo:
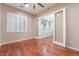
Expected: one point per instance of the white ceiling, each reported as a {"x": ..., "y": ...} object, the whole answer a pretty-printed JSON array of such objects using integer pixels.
[{"x": 30, "y": 8}]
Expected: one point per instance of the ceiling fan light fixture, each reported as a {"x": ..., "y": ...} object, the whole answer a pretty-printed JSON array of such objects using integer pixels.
[{"x": 26, "y": 5}]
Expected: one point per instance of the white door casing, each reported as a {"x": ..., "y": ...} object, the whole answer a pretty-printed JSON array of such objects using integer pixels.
[{"x": 63, "y": 44}]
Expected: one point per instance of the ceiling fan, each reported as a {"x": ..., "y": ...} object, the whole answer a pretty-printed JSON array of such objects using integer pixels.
[{"x": 34, "y": 5}]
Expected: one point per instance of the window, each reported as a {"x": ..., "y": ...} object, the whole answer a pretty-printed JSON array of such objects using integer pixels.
[{"x": 16, "y": 23}]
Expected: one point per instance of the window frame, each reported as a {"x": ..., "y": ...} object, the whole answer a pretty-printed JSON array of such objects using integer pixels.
[{"x": 18, "y": 16}]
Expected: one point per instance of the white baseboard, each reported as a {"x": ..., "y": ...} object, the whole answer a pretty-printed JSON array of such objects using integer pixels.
[
  {"x": 3, "y": 43},
  {"x": 73, "y": 48},
  {"x": 42, "y": 37},
  {"x": 38, "y": 38}
]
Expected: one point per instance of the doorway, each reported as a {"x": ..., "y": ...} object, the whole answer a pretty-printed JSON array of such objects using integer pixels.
[
  {"x": 59, "y": 34},
  {"x": 44, "y": 26}
]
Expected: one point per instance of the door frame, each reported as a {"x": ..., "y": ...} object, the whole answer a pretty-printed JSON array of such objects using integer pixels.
[{"x": 64, "y": 28}]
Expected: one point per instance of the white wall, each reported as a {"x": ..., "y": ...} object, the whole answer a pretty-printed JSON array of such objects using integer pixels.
[{"x": 0, "y": 25}]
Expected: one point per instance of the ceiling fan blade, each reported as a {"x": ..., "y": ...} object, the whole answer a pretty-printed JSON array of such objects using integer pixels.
[
  {"x": 33, "y": 6},
  {"x": 41, "y": 4},
  {"x": 23, "y": 4}
]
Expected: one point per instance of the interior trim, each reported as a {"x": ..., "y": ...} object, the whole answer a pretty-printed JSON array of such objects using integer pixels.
[
  {"x": 64, "y": 28},
  {"x": 73, "y": 48},
  {"x": 3, "y": 43}
]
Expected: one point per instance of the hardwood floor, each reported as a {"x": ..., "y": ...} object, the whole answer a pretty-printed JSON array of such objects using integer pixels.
[{"x": 35, "y": 47}]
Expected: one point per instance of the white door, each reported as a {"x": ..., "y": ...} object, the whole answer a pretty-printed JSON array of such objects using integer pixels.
[{"x": 59, "y": 34}]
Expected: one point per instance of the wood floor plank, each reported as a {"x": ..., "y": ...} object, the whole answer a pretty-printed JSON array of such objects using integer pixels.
[{"x": 36, "y": 47}]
